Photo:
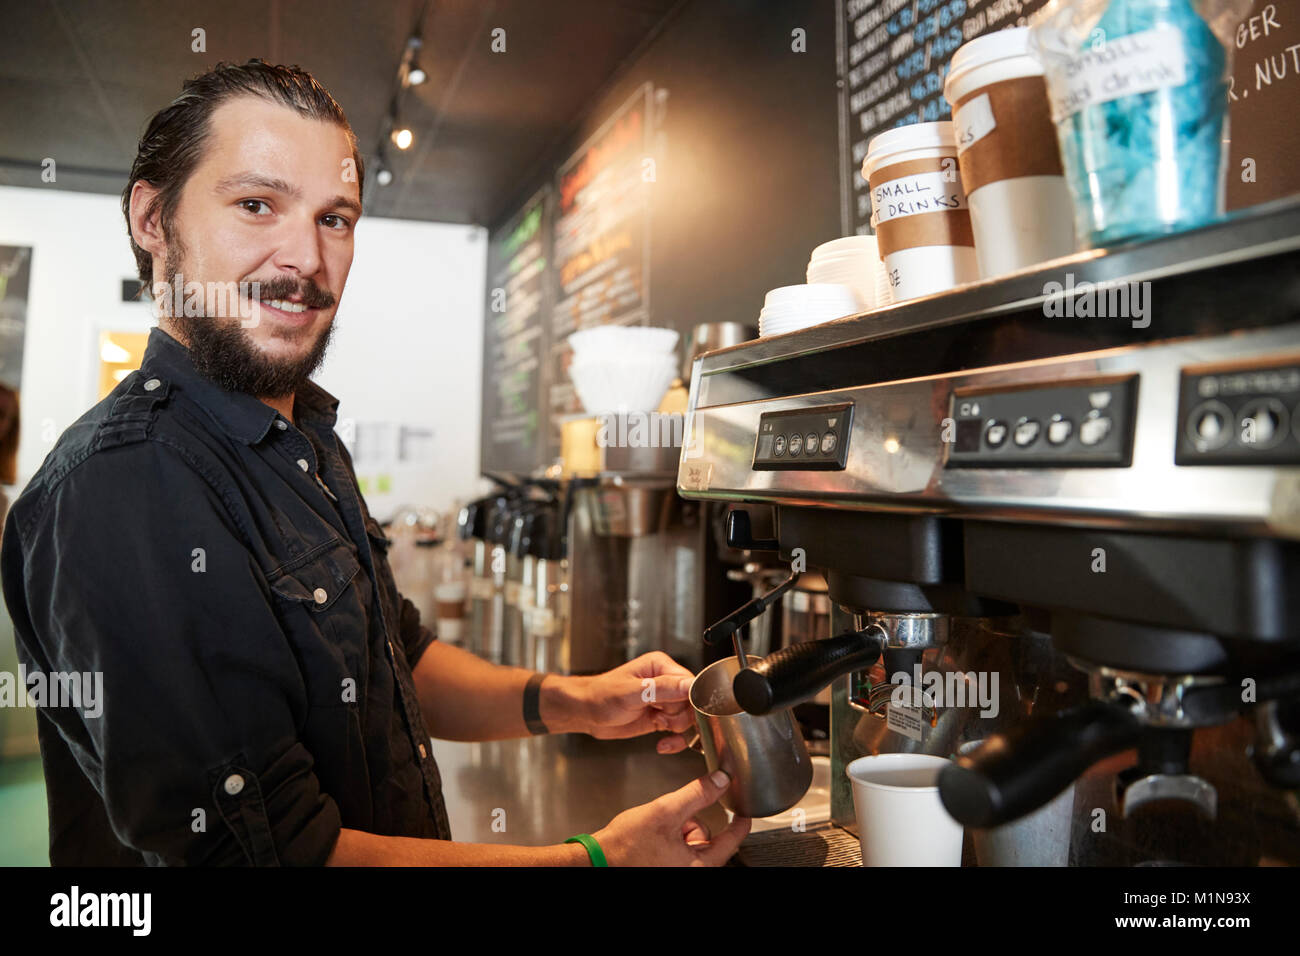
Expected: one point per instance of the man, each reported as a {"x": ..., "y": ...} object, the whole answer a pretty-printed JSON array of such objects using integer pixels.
[{"x": 196, "y": 543}]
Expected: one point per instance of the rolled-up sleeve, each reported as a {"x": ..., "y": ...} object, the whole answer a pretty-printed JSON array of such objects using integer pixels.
[
  {"x": 416, "y": 636},
  {"x": 136, "y": 577}
]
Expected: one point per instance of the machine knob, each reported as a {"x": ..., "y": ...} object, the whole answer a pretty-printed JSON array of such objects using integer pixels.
[{"x": 1263, "y": 423}]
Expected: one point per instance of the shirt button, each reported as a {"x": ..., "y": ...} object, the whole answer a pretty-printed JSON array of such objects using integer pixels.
[
  {"x": 153, "y": 383},
  {"x": 281, "y": 424},
  {"x": 423, "y": 753},
  {"x": 320, "y": 595},
  {"x": 234, "y": 783},
  {"x": 302, "y": 463}
]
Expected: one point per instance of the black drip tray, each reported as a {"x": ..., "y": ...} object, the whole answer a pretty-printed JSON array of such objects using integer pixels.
[{"x": 822, "y": 845}]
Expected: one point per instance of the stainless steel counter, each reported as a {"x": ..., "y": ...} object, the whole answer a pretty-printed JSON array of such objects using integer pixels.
[{"x": 541, "y": 790}]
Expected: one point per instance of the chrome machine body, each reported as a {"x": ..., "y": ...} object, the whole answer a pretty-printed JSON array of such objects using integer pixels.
[{"x": 1101, "y": 509}]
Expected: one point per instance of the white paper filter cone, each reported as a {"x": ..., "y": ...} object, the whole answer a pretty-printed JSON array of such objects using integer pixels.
[{"x": 628, "y": 384}]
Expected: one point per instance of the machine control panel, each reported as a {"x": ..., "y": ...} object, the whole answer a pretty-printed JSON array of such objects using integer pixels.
[
  {"x": 804, "y": 439},
  {"x": 1085, "y": 423},
  {"x": 1240, "y": 414}
]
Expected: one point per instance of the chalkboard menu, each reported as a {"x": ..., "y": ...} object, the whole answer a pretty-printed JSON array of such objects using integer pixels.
[
  {"x": 602, "y": 243},
  {"x": 515, "y": 342},
  {"x": 894, "y": 56}
]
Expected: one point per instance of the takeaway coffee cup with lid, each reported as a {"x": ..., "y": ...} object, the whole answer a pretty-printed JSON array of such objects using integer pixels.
[
  {"x": 919, "y": 210},
  {"x": 1007, "y": 148}
]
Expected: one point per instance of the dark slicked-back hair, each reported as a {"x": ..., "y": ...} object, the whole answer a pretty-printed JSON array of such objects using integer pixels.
[{"x": 174, "y": 141}]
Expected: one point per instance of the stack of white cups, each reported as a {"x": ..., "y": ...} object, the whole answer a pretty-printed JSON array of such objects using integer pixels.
[
  {"x": 852, "y": 261},
  {"x": 794, "y": 307}
]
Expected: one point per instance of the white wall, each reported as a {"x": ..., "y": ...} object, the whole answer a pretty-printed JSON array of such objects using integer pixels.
[{"x": 407, "y": 346}]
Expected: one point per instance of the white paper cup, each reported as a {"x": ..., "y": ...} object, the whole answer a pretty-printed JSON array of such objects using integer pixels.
[
  {"x": 926, "y": 270},
  {"x": 853, "y": 261},
  {"x": 451, "y": 630},
  {"x": 920, "y": 210},
  {"x": 1020, "y": 206},
  {"x": 1041, "y": 838},
  {"x": 901, "y": 821},
  {"x": 884, "y": 293}
]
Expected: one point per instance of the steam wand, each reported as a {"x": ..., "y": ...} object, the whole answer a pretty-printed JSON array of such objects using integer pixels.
[{"x": 730, "y": 625}]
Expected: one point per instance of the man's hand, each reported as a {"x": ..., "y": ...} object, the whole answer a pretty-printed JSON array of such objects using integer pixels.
[
  {"x": 665, "y": 832},
  {"x": 650, "y": 693}
]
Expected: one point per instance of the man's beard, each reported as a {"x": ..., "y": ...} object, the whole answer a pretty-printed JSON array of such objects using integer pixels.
[{"x": 223, "y": 351}]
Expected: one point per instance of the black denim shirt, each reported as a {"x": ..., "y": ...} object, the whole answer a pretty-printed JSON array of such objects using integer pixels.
[{"x": 255, "y": 653}]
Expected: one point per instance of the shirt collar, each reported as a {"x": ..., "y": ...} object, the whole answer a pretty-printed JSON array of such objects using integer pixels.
[{"x": 242, "y": 416}]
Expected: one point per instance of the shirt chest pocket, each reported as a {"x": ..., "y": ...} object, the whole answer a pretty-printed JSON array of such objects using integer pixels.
[{"x": 323, "y": 603}]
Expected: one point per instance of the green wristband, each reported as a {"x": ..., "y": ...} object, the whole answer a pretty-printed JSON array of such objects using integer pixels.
[{"x": 593, "y": 848}]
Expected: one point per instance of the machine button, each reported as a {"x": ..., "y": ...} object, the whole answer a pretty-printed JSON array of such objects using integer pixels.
[
  {"x": 1027, "y": 430},
  {"x": 796, "y": 445},
  {"x": 1094, "y": 429},
  {"x": 1059, "y": 430},
  {"x": 811, "y": 442},
  {"x": 1208, "y": 426},
  {"x": 1262, "y": 423},
  {"x": 778, "y": 448},
  {"x": 828, "y": 443},
  {"x": 995, "y": 434}
]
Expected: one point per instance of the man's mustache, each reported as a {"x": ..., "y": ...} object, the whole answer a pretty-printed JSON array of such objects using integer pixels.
[{"x": 313, "y": 296}]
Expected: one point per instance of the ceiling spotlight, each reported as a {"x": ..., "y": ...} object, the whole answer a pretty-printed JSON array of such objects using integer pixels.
[
  {"x": 384, "y": 176},
  {"x": 402, "y": 138},
  {"x": 414, "y": 75}
]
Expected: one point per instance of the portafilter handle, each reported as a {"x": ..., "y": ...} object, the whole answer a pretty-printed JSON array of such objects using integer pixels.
[
  {"x": 798, "y": 672},
  {"x": 1014, "y": 774}
]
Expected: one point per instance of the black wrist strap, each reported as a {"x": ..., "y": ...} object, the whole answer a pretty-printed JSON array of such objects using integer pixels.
[{"x": 532, "y": 702}]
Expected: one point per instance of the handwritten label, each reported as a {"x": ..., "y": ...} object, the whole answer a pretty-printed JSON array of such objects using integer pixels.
[
  {"x": 918, "y": 194},
  {"x": 695, "y": 477},
  {"x": 903, "y": 720},
  {"x": 1119, "y": 66},
  {"x": 973, "y": 121}
]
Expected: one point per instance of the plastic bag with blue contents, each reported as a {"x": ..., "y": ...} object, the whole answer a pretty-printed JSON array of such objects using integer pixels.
[{"x": 1139, "y": 93}]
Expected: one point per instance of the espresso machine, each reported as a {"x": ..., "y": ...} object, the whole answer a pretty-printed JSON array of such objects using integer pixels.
[{"x": 1058, "y": 515}]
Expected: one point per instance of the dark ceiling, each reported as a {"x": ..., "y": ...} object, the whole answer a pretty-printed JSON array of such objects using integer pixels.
[{"x": 80, "y": 78}]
